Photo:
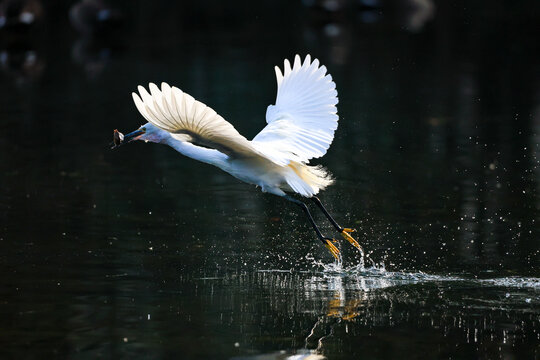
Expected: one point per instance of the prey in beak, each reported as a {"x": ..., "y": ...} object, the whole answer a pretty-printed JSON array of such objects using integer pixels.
[{"x": 121, "y": 139}]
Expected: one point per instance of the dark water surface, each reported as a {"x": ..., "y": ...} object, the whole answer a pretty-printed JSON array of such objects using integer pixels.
[{"x": 142, "y": 253}]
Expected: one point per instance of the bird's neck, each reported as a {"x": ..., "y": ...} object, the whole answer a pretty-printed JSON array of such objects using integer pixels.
[{"x": 209, "y": 156}]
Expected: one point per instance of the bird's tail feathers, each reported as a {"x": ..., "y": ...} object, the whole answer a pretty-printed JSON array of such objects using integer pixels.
[{"x": 308, "y": 180}]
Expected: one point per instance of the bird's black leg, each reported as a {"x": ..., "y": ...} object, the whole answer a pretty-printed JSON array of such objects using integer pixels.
[
  {"x": 319, "y": 204},
  {"x": 345, "y": 232},
  {"x": 328, "y": 242}
]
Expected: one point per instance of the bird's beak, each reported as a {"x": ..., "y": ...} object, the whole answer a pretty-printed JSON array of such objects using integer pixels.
[{"x": 121, "y": 139}]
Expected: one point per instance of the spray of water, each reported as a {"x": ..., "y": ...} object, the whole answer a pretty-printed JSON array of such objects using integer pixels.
[{"x": 378, "y": 272}]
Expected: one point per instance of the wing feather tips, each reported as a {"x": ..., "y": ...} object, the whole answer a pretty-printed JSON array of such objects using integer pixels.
[
  {"x": 307, "y": 60},
  {"x": 145, "y": 96},
  {"x": 157, "y": 101},
  {"x": 149, "y": 104},
  {"x": 140, "y": 106},
  {"x": 279, "y": 75},
  {"x": 154, "y": 90},
  {"x": 286, "y": 67},
  {"x": 168, "y": 102},
  {"x": 315, "y": 65},
  {"x": 177, "y": 100},
  {"x": 297, "y": 62}
]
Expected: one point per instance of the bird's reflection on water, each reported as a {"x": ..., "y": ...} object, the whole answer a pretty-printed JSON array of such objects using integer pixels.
[{"x": 318, "y": 313}]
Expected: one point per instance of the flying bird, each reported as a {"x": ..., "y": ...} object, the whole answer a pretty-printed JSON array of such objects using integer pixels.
[{"x": 300, "y": 127}]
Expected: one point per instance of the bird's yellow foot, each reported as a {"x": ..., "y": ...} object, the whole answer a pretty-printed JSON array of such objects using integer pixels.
[
  {"x": 346, "y": 233},
  {"x": 329, "y": 243}
]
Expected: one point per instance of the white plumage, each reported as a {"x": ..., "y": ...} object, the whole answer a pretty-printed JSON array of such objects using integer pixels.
[
  {"x": 301, "y": 127},
  {"x": 301, "y": 124}
]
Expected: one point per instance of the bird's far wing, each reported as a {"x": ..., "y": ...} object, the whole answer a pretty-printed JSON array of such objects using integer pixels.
[
  {"x": 179, "y": 113},
  {"x": 302, "y": 123}
]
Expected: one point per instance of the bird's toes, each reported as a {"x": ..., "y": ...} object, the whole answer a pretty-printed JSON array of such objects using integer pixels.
[
  {"x": 329, "y": 243},
  {"x": 346, "y": 233}
]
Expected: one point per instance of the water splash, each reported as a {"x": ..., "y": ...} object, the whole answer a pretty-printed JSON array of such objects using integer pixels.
[
  {"x": 513, "y": 282},
  {"x": 380, "y": 277}
]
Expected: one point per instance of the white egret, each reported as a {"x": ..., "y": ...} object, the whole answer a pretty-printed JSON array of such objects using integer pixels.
[{"x": 300, "y": 127}]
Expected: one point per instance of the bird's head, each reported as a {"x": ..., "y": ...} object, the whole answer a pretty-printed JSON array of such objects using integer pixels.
[{"x": 146, "y": 132}]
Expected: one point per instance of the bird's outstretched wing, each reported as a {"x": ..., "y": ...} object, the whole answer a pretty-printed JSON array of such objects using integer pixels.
[
  {"x": 302, "y": 123},
  {"x": 180, "y": 114}
]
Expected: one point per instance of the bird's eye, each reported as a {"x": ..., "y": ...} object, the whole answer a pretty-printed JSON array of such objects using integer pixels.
[{"x": 143, "y": 129}]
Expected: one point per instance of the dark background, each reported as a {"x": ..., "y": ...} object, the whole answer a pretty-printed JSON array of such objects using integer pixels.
[{"x": 140, "y": 252}]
